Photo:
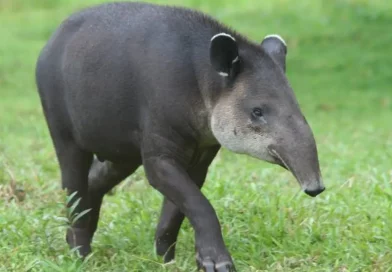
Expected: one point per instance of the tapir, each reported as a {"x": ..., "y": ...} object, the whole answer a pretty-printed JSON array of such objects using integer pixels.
[{"x": 128, "y": 84}]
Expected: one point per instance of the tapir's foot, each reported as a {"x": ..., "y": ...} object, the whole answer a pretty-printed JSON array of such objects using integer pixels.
[
  {"x": 166, "y": 248},
  {"x": 214, "y": 263},
  {"x": 81, "y": 238}
]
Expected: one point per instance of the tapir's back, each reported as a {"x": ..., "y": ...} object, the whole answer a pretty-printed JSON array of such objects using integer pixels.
[{"x": 109, "y": 66}]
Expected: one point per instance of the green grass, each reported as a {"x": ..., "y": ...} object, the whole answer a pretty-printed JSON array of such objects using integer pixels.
[{"x": 339, "y": 65}]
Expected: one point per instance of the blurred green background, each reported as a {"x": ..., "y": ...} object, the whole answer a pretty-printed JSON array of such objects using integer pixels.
[{"x": 340, "y": 67}]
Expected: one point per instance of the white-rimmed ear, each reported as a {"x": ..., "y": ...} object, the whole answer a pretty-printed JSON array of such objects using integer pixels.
[
  {"x": 224, "y": 54},
  {"x": 276, "y": 47}
]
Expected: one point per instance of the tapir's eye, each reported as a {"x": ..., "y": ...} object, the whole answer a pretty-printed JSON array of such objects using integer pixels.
[{"x": 257, "y": 112}]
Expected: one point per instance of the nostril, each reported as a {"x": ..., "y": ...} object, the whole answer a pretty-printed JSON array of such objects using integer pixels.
[{"x": 316, "y": 192}]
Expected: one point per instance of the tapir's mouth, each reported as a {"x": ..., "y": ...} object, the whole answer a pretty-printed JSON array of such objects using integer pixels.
[
  {"x": 282, "y": 162},
  {"x": 278, "y": 159}
]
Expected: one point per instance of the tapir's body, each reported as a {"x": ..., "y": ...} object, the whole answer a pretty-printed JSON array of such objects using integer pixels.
[
  {"x": 165, "y": 87},
  {"x": 121, "y": 68}
]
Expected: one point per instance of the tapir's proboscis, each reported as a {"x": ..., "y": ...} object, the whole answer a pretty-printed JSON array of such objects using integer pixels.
[{"x": 130, "y": 84}]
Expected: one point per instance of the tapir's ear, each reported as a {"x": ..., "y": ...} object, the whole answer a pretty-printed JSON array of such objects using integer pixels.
[
  {"x": 224, "y": 54},
  {"x": 276, "y": 47}
]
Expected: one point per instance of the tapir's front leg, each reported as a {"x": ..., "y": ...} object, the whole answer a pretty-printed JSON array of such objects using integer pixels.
[
  {"x": 169, "y": 177},
  {"x": 171, "y": 217}
]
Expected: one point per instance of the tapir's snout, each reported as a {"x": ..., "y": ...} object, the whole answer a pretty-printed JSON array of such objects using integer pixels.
[
  {"x": 314, "y": 187},
  {"x": 301, "y": 159}
]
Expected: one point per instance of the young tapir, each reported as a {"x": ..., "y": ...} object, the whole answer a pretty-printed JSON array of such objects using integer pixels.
[{"x": 130, "y": 84}]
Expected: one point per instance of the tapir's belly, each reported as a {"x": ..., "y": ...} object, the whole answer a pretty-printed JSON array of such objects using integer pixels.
[{"x": 110, "y": 139}]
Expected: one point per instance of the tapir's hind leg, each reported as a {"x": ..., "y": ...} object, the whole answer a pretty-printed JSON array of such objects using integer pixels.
[
  {"x": 171, "y": 217},
  {"x": 75, "y": 164},
  {"x": 167, "y": 230},
  {"x": 103, "y": 177}
]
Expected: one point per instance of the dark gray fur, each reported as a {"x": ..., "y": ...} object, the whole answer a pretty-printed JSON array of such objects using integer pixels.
[{"x": 138, "y": 84}]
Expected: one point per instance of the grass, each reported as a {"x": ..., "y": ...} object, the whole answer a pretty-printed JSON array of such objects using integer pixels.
[{"x": 339, "y": 65}]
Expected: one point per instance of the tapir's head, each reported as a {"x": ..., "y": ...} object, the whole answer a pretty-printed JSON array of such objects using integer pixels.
[{"x": 257, "y": 112}]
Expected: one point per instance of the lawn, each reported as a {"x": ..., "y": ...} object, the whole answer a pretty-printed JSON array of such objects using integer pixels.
[{"x": 340, "y": 66}]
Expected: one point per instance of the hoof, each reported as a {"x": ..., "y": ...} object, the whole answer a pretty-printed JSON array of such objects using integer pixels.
[
  {"x": 79, "y": 238},
  {"x": 165, "y": 249},
  {"x": 210, "y": 264}
]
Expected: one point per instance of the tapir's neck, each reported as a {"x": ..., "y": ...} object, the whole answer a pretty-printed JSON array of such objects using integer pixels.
[
  {"x": 203, "y": 119},
  {"x": 210, "y": 88}
]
